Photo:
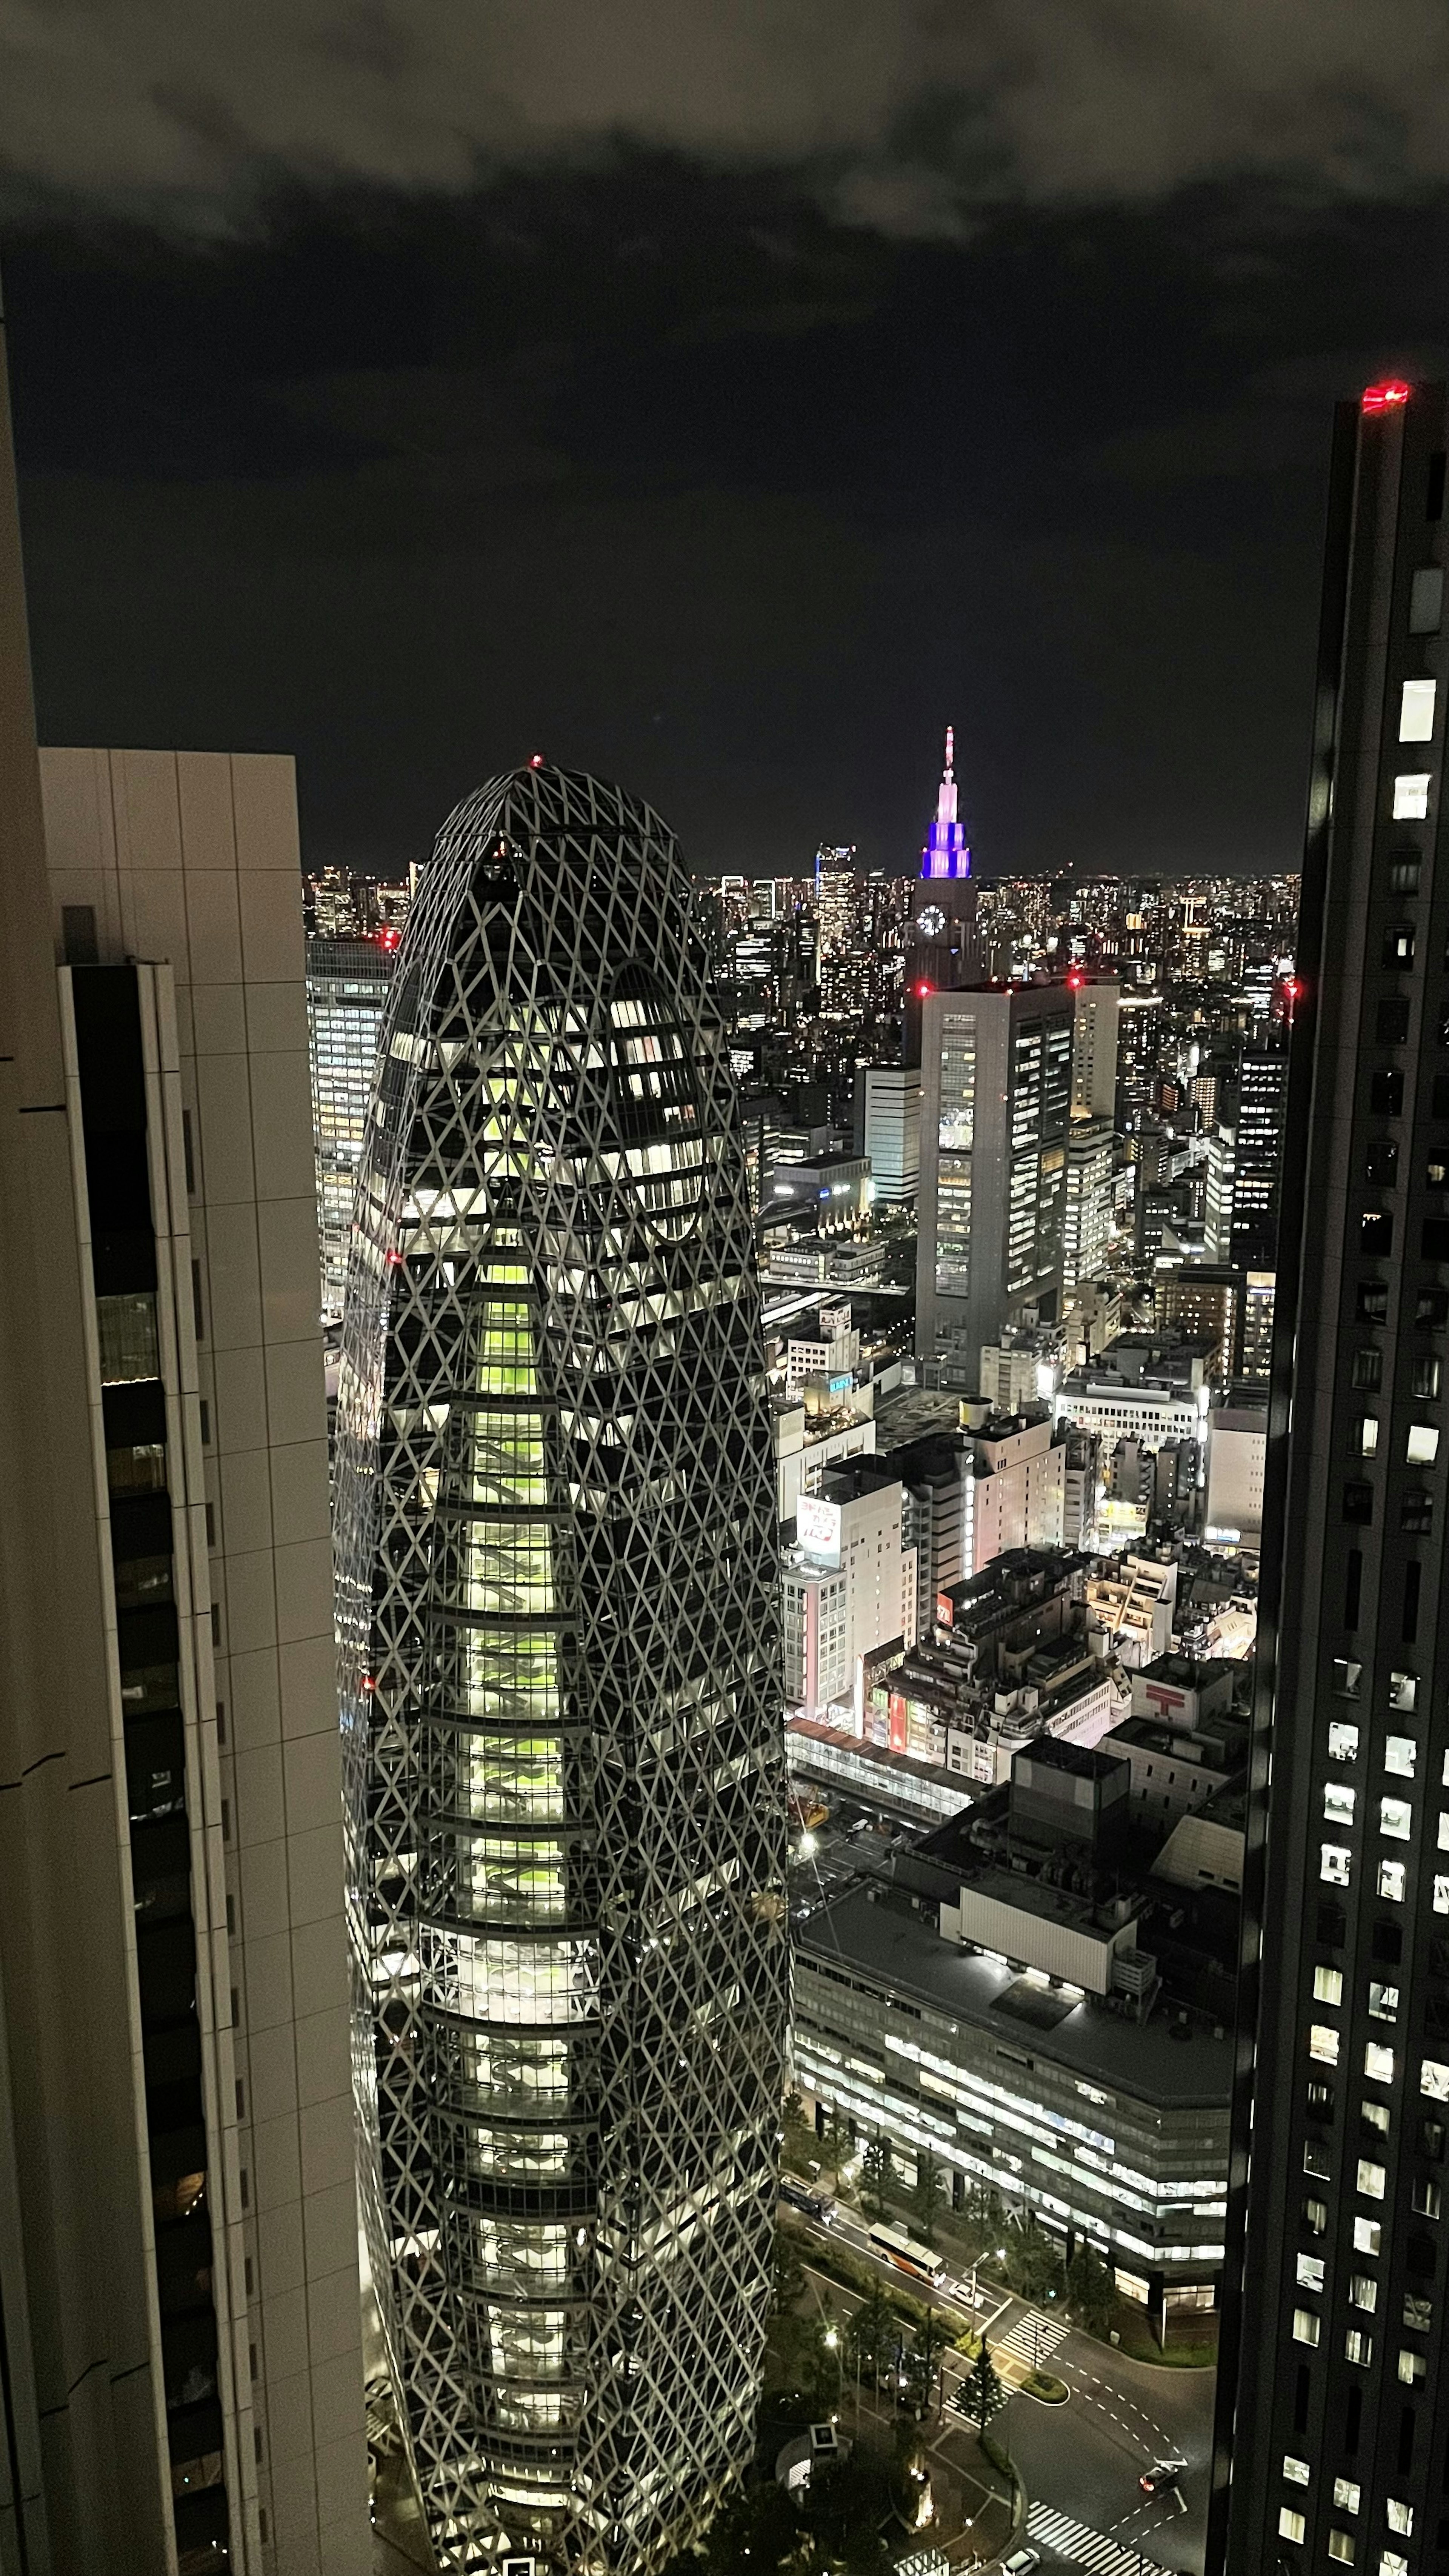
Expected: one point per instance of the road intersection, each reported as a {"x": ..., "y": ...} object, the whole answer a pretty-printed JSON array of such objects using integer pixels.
[{"x": 1080, "y": 2462}]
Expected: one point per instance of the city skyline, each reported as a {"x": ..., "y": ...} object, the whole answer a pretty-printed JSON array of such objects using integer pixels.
[{"x": 722, "y": 1714}]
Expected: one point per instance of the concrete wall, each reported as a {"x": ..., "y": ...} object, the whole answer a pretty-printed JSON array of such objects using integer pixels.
[{"x": 193, "y": 857}]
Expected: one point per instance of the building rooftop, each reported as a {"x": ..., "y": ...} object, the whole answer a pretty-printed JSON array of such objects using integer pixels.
[
  {"x": 1187, "y": 1672},
  {"x": 895, "y": 1952},
  {"x": 1220, "y": 1747}
]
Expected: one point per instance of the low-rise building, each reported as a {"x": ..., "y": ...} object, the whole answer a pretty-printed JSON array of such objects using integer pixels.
[
  {"x": 1119, "y": 1402},
  {"x": 1237, "y": 1462},
  {"x": 1038, "y": 2047},
  {"x": 811, "y": 1439},
  {"x": 1174, "y": 1772},
  {"x": 1023, "y": 1368},
  {"x": 828, "y": 1357},
  {"x": 1206, "y": 1847},
  {"x": 848, "y": 1586},
  {"x": 1015, "y": 1486},
  {"x": 1130, "y": 1606},
  {"x": 1186, "y": 1691},
  {"x": 833, "y": 1188}
]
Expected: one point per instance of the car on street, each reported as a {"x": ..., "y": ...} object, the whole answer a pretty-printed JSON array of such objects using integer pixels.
[
  {"x": 1020, "y": 2561},
  {"x": 1162, "y": 2475}
]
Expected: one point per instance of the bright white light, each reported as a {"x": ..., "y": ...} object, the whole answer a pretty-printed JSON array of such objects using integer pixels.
[
  {"x": 1411, "y": 796},
  {"x": 807, "y": 1846},
  {"x": 1416, "y": 711}
]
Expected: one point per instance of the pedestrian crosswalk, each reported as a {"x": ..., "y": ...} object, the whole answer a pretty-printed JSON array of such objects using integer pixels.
[
  {"x": 1097, "y": 2551},
  {"x": 1032, "y": 2337}
]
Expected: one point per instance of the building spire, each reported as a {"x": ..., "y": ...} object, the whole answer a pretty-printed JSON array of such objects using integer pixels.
[{"x": 945, "y": 853}]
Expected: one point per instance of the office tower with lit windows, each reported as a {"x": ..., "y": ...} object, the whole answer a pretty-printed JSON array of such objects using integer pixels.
[
  {"x": 837, "y": 926},
  {"x": 562, "y": 1695},
  {"x": 888, "y": 1129},
  {"x": 996, "y": 1084},
  {"x": 347, "y": 989},
  {"x": 1334, "y": 2390},
  {"x": 1086, "y": 1202},
  {"x": 180, "y": 2325},
  {"x": 1258, "y": 1155},
  {"x": 1094, "y": 1051}
]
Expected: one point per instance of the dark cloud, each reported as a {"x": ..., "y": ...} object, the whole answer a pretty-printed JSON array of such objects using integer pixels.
[
  {"x": 908, "y": 113},
  {"x": 913, "y": 372}
]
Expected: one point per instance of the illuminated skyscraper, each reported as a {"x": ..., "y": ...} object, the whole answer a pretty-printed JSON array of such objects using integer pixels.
[
  {"x": 1334, "y": 2395},
  {"x": 562, "y": 1697},
  {"x": 943, "y": 945},
  {"x": 996, "y": 1085},
  {"x": 347, "y": 988},
  {"x": 838, "y": 930},
  {"x": 1258, "y": 1156}
]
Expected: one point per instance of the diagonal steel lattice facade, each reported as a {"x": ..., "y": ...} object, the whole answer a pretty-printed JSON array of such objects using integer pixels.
[{"x": 561, "y": 1698}]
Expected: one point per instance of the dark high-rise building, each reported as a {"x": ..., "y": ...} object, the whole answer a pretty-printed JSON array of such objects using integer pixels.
[
  {"x": 1335, "y": 2387},
  {"x": 562, "y": 1696},
  {"x": 996, "y": 1095},
  {"x": 1258, "y": 1156}
]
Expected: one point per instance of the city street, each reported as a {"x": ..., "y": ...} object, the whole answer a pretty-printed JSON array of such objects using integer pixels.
[{"x": 1081, "y": 2462}]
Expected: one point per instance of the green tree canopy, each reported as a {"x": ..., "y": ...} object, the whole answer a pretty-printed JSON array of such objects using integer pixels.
[
  {"x": 1091, "y": 2288},
  {"x": 877, "y": 2178},
  {"x": 872, "y": 2333},
  {"x": 928, "y": 2195},
  {"x": 799, "y": 2142},
  {"x": 981, "y": 2394},
  {"x": 1033, "y": 2260},
  {"x": 932, "y": 2338}
]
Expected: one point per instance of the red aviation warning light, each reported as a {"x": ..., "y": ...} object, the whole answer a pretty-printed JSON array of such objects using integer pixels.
[
  {"x": 389, "y": 937},
  {"x": 1075, "y": 982},
  {"x": 1391, "y": 395},
  {"x": 923, "y": 989}
]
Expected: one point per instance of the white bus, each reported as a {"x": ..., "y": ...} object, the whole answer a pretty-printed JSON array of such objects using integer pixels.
[{"x": 907, "y": 2256}]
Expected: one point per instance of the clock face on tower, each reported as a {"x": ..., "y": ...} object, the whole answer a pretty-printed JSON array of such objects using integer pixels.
[{"x": 931, "y": 921}]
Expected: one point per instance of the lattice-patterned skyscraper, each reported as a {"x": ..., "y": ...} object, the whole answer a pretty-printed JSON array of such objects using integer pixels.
[{"x": 562, "y": 1696}]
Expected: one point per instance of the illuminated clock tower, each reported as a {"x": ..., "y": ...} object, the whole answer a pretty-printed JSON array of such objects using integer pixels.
[{"x": 943, "y": 948}]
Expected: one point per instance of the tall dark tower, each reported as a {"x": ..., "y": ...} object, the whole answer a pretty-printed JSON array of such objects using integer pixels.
[
  {"x": 562, "y": 1698},
  {"x": 1334, "y": 2392},
  {"x": 942, "y": 946}
]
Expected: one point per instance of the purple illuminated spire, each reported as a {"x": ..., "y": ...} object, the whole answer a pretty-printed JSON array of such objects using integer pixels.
[{"x": 945, "y": 853}]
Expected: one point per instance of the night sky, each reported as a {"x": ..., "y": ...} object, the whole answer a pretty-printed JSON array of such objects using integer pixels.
[{"x": 720, "y": 395}]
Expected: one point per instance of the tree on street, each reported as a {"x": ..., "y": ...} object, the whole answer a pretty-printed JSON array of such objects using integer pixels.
[
  {"x": 1033, "y": 2260},
  {"x": 800, "y": 2146},
  {"x": 877, "y": 2178},
  {"x": 929, "y": 2192},
  {"x": 932, "y": 2338},
  {"x": 981, "y": 2394},
  {"x": 984, "y": 2218},
  {"x": 1091, "y": 2288},
  {"x": 872, "y": 2333},
  {"x": 789, "y": 2272}
]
